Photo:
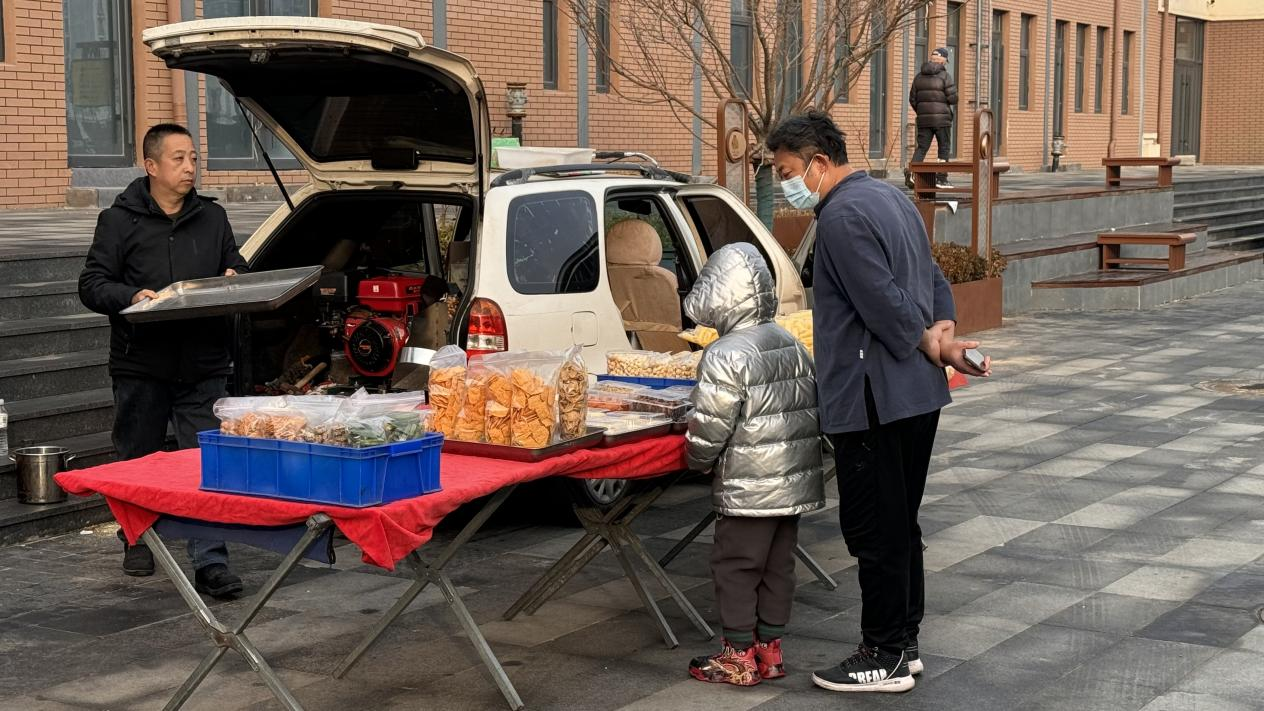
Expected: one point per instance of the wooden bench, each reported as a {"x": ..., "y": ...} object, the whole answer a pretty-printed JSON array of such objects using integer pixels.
[
  {"x": 1111, "y": 242},
  {"x": 1114, "y": 169},
  {"x": 924, "y": 177}
]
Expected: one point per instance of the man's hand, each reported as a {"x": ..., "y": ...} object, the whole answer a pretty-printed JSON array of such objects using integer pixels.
[
  {"x": 143, "y": 294},
  {"x": 953, "y": 354},
  {"x": 934, "y": 338},
  {"x": 230, "y": 272}
]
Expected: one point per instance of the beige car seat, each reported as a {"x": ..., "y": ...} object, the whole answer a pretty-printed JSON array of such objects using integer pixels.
[{"x": 645, "y": 293}]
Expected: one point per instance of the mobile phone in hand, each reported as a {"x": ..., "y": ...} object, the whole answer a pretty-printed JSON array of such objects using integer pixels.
[{"x": 974, "y": 358}]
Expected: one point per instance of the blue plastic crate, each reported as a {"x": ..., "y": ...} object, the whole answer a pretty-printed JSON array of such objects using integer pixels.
[
  {"x": 320, "y": 473},
  {"x": 649, "y": 382}
]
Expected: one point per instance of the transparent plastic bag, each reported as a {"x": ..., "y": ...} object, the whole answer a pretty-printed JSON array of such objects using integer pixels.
[
  {"x": 471, "y": 423},
  {"x": 243, "y": 416},
  {"x": 447, "y": 388},
  {"x": 638, "y": 364},
  {"x": 572, "y": 395},
  {"x": 533, "y": 412},
  {"x": 497, "y": 370}
]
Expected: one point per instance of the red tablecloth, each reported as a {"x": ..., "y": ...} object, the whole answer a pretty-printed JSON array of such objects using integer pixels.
[{"x": 140, "y": 490}]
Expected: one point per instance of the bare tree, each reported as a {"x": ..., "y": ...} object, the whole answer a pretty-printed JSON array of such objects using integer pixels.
[{"x": 801, "y": 54}]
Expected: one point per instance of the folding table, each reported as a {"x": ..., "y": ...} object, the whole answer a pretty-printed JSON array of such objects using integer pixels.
[{"x": 158, "y": 495}]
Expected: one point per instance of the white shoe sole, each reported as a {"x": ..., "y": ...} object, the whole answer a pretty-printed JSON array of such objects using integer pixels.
[
  {"x": 916, "y": 667},
  {"x": 893, "y": 685}
]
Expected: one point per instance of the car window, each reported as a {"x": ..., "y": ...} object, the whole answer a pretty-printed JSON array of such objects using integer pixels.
[
  {"x": 553, "y": 244},
  {"x": 649, "y": 211},
  {"x": 718, "y": 225}
]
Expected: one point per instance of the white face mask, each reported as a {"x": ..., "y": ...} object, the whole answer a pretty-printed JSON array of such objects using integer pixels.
[{"x": 797, "y": 192}]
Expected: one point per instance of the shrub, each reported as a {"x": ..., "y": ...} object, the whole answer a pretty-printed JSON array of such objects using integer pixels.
[{"x": 960, "y": 264}]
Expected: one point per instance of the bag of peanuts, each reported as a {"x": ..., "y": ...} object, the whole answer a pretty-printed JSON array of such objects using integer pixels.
[
  {"x": 639, "y": 364},
  {"x": 447, "y": 389}
]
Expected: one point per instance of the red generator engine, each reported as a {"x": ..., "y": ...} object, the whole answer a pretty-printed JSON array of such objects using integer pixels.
[{"x": 374, "y": 340}]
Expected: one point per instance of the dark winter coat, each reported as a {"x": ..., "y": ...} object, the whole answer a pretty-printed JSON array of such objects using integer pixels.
[
  {"x": 138, "y": 246},
  {"x": 933, "y": 96}
]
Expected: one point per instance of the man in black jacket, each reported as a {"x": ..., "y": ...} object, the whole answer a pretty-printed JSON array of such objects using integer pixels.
[
  {"x": 933, "y": 96},
  {"x": 160, "y": 231}
]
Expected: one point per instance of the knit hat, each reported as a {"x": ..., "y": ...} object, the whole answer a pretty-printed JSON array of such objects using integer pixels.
[{"x": 942, "y": 52}]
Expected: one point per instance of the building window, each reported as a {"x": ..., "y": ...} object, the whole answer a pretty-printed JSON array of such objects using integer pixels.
[
  {"x": 1059, "y": 78},
  {"x": 549, "y": 40},
  {"x": 3, "y": 38},
  {"x": 954, "y": 61},
  {"x": 1024, "y": 61},
  {"x": 1125, "y": 88},
  {"x": 740, "y": 49},
  {"x": 842, "y": 60},
  {"x": 1000, "y": 70},
  {"x": 1081, "y": 43},
  {"x": 603, "y": 46},
  {"x": 791, "y": 59},
  {"x": 1097, "y": 70},
  {"x": 230, "y": 145},
  {"x": 921, "y": 37}
]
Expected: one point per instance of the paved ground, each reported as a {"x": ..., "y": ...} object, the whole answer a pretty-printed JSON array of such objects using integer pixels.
[{"x": 1095, "y": 523}]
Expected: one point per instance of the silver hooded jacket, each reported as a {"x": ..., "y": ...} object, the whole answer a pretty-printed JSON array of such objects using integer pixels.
[{"x": 755, "y": 422}]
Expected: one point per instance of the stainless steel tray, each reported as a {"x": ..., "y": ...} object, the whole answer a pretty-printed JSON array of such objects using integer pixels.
[
  {"x": 614, "y": 440},
  {"x": 521, "y": 454},
  {"x": 217, "y": 296}
]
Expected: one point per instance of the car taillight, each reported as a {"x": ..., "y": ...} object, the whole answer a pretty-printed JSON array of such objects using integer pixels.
[{"x": 487, "y": 330}]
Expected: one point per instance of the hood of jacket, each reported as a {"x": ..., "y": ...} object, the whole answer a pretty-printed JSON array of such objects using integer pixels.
[
  {"x": 932, "y": 68},
  {"x": 136, "y": 198},
  {"x": 735, "y": 290}
]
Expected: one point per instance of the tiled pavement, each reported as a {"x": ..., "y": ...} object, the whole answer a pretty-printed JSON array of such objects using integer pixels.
[{"x": 1095, "y": 523}]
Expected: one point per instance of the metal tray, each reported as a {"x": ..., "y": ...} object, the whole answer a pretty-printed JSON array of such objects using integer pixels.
[
  {"x": 218, "y": 296},
  {"x": 636, "y": 435},
  {"x": 521, "y": 454}
]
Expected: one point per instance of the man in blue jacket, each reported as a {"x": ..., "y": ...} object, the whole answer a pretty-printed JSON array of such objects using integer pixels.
[
  {"x": 884, "y": 323},
  {"x": 160, "y": 231}
]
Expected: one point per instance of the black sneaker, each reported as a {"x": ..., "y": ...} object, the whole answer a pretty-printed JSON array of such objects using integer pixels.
[
  {"x": 908, "y": 180},
  {"x": 138, "y": 560},
  {"x": 914, "y": 659},
  {"x": 869, "y": 669},
  {"x": 215, "y": 580}
]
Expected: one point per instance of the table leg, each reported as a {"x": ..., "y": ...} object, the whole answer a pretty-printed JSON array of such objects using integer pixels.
[
  {"x": 647, "y": 599},
  {"x": 628, "y": 539},
  {"x": 689, "y": 538},
  {"x": 826, "y": 579},
  {"x": 426, "y": 573},
  {"x": 235, "y": 638}
]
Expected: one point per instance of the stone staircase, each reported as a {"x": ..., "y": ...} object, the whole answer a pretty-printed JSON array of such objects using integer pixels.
[
  {"x": 54, "y": 383},
  {"x": 1232, "y": 207}
]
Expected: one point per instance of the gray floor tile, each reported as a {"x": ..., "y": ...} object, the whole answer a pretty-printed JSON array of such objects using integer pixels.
[
  {"x": 1196, "y": 623},
  {"x": 1107, "y": 612}
]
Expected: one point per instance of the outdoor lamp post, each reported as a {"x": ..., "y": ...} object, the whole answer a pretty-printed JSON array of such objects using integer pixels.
[
  {"x": 1058, "y": 150},
  {"x": 517, "y": 111}
]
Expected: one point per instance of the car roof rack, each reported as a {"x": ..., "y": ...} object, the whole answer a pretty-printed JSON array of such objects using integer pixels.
[{"x": 521, "y": 175}]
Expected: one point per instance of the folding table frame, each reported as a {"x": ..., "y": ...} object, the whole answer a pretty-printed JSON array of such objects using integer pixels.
[
  {"x": 826, "y": 579},
  {"x": 612, "y": 528}
]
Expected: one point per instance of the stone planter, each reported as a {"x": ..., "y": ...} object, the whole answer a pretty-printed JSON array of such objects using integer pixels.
[
  {"x": 978, "y": 305},
  {"x": 789, "y": 230}
]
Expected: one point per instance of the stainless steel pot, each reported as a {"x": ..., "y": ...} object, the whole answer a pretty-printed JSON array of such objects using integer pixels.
[{"x": 36, "y": 467}]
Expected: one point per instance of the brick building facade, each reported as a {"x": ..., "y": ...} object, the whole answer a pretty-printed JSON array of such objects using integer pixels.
[{"x": 78, "y": 88}]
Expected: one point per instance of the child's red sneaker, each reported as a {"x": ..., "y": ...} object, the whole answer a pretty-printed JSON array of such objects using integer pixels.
[
  {"x": 768, "y": 659},
  {"x": 731, "y": 666}
]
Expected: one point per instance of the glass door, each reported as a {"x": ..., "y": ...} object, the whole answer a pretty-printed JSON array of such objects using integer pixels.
[{"x": 99, "y": 122}]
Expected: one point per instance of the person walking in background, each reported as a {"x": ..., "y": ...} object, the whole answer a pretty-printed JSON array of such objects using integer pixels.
[
  {"x": 933, "y": 97},
  {"x": 755, "y": 426},
  {"x": 160, "y": 231},
  {"x": 884, "y": 324}
]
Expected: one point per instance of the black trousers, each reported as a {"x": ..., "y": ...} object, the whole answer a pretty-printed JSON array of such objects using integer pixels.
[
  {"x": 752, "y": 562},
  {"x": 924, "y": 136},
  {"x": 881, "y": 478},
  {"x": 142, "y": 409}
]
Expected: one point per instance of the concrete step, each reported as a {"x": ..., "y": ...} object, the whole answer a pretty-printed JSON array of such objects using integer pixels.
[
  {"x": 54, "y": 334},
  {"x": 44, "y": 419},
  {"x": 23, "y": 522},
  {"x": 42, "y": 376},
  {"x": 88, "y": 450},
  {"x": 1206, "y": 195},
  {"x": 53, "y": 265},
  {"x": 1137, "y": 289},
  {"x": 1217, "y": 217},
  {"x": 1242, "y": 243},
  {"x": 1244, "y": 180},
  {"x": 42, "y": 298},
  {"x": 1246, "y": 201},
  {"x": 1216, "y": 235}
]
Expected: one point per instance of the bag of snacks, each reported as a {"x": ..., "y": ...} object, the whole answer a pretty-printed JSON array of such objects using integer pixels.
[
  {"x": 700, "y": 335},
  {"x": 572, "y": 395},
  {"x": 317, "y": 411},
  {"x": 471, "y": 423},
  {"x": 499, "y": 398},
  {"x": 366, "y": 420},
  {"x": 684, "y": 365},
  {"x": 243, "y": 416},
  {"x": 533, "y": 413},
  {"x": 638, "y": 364},
  {"x": 447, "y": 388}
]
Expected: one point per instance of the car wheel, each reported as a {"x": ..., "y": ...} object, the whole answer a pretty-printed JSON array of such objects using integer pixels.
[{"x": 602, "y": 493}]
